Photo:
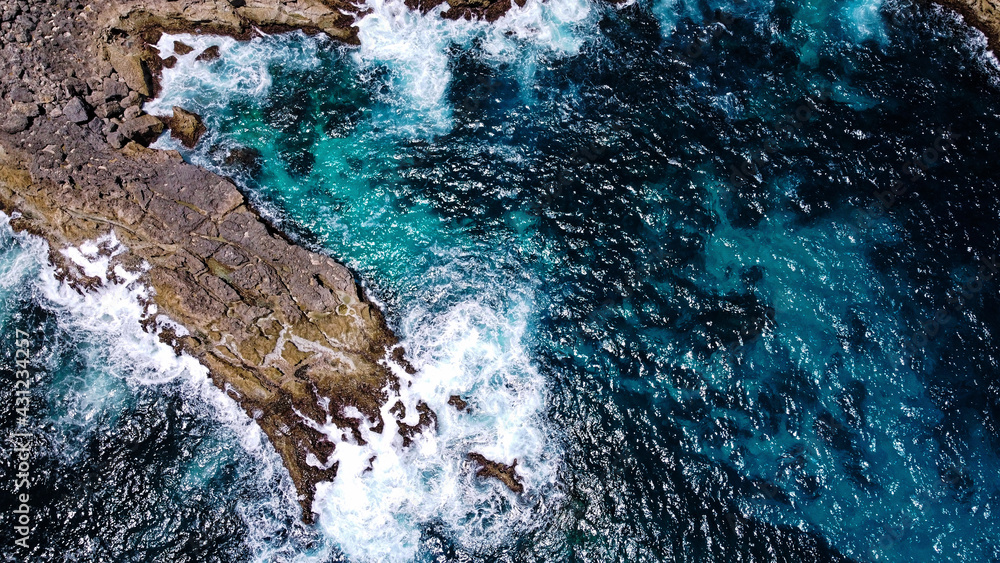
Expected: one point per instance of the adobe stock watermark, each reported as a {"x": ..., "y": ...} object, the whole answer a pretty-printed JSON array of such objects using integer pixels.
[{"x": 22, "y": 438}]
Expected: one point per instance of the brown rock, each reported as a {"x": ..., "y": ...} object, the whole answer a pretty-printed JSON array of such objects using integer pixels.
[
  {"x": 14, "y": 124},
  {"x": 209, "y": 54},
  {"x": 131, "y": 68},
  {"x": 182, "y": 48},
  {"x": 457, "y": 402},
  {"x": 981, "y": 14},
  {"x": 186, "y": 127},
  {"x": 506, "y": 474}
]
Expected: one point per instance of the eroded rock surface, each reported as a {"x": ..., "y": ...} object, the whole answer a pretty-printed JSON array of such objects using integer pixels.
[
  {"x": 185, "y": 126},
  {"x": 981, "y": 14},
  {"x": 506, "y": 474},
  {"x": 285, "y": 331}
]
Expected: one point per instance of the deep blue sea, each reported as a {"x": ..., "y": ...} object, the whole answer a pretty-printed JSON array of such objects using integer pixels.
[{"x": 720, "y": 276}]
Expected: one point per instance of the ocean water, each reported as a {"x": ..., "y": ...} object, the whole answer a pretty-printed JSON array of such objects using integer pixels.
[{"x": 719, "y": 276}]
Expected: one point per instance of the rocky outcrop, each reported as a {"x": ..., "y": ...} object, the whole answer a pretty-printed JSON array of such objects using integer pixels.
[
  {"x": 506, "y": 474},
  {"x": 185, "y": 126},
  {"x": 284, "y": 330},
  {"x": 458, "y": 402},
  {"x": 984, "y": 15},
  {"x": 489, "y": 10}
]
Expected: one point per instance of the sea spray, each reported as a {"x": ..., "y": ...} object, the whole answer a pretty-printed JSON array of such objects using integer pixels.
[{"x": 115, "y": 358}]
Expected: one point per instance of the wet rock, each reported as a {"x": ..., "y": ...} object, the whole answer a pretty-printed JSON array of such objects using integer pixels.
[
  {"x": 244, "y": 159},
  {"x": 182, "y": 48},
  {"x": 209, "y": 54},
  {"x": 457, "y": 402},
  {"x": 14, "y": 124},
  {"x": 76, "y": 111},
  {"x": 506, "y": 474},
  {"x": 427, "y": 419},
  {"x": 170, "y": 62},
  {"x": 143, "y": 129},
  {"x": 186, "y": 127}
]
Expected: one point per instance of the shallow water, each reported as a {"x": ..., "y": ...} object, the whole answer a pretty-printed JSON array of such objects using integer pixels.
[{"x": 652, "y": 246}]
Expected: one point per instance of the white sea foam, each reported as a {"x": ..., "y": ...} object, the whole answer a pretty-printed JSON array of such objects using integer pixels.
[
  {"x": 380, "y": 509},
  {"x": 116, "y": 352},
  {"x": 414, "y": 48},
  {"x": 242, "y": 69},
  {"x": 376, "y": 510}
]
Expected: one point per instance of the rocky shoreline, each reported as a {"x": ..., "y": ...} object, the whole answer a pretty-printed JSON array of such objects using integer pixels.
[
  {"x": 285, "y": 331},
  {"x": 984, "y": 15}
]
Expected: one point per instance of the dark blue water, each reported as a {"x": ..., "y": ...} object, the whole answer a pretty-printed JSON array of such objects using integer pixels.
[{"x": 720, "y": 277}]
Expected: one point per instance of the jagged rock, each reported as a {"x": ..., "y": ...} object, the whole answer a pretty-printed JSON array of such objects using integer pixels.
[
  {"x": 185, "y": 126},
  {"x": 114, "y": 89},
  {"x": 132, "y": 112},
  {"x": 458, "y": 402},
  {"x": 427, "y": 419},
  {"x": 76, "y": 111},
  {"x": 116, "y": 139},
  {"x": 76, "y": 87},
  {"x": 15, "y": 124},
  {"x": 132, "y": 100},
  {"x": 143, "y": 129},
  {"x": 131, "y": 68},
  {"x": 182, "y": 48},
  {"x": 504, "y": 473},
  {"x": 209, "y": 54},
  {"x": 109, "y": 110},
  {"x": 26, "y": 109}
]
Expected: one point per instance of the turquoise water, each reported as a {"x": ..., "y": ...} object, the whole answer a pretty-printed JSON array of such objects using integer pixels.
[{"x": 653, "y": 247}]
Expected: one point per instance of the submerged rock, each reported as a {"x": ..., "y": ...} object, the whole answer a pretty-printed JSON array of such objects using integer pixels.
[{"x": 245, "y": 159}]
